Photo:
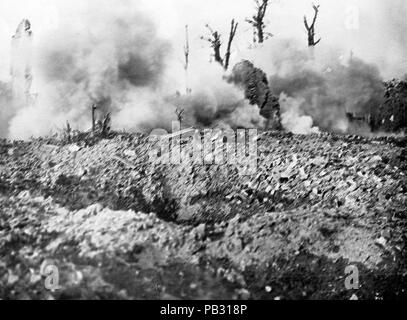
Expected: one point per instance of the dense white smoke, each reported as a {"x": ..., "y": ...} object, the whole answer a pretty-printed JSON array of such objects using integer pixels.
[
  {"x": 325, "y": 86},
  {"x": 129, "y": 62},
  {"x": 6, "y": 109},
  {"x": 115, "y": 59},
  {"x": 293, "y": 118},
  {"x": 118, "y": 52}
]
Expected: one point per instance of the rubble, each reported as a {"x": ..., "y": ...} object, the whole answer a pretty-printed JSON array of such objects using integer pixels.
[{"x": 315, "y": 205}]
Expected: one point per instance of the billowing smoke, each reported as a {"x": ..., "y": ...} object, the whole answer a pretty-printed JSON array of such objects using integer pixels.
[
  {"x": 6, "y": 108},
  {"x": 318, "y": 88},
  {"x": 116, "y": 58},
  {"x": 105, "y": 64},
  {"x": 211, "y": 102},
  {"x": 327, "y": 91},
  {"x": 293, "y": 118}
]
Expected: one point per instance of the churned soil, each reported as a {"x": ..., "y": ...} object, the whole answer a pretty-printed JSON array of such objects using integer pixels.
[{"x": 118, "y": 225}]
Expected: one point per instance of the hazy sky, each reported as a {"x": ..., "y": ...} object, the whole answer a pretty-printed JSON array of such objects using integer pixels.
[{"x": 373, "y": 29}]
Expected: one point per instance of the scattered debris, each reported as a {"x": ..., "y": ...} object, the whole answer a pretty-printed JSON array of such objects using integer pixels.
[{"x": 211, "y": 231}]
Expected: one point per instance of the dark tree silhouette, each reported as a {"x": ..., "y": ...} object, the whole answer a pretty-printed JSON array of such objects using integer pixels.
[
  {"x": 94, "y": 107},
  {"x": 257, "y": 21},
  {"x": 186, "y": 49},
  {"x": 216, "y": 44},
  {"x": 186, "y": 59},
  {"x": 311, "y": 28},
  {"x": 232, "y": 34}
]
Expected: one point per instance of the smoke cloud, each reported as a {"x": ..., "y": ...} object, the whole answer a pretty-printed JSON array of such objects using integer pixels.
[
  {"x": 127, "y": 59},
  {"x": 119, "y": 52},
  {"x": 6, "y": 109},
  {"x": 324, "y": 86},
  {"x": 122, "y": 65}
]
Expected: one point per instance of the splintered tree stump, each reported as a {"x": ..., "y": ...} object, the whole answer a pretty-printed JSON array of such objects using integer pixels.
[{"x": 311, "y": 28}]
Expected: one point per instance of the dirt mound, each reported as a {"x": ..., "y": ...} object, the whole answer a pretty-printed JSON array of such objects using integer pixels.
[{"x": 118, "y": 225}]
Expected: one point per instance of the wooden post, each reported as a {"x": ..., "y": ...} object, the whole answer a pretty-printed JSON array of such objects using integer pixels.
[
  {"x": 68, "y": 131},
  {"x": 94, "y": 107},
  {"x": 186, "y": 63}
]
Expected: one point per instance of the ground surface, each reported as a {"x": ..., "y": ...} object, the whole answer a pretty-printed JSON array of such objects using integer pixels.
[{"x": 116, "y": 225}]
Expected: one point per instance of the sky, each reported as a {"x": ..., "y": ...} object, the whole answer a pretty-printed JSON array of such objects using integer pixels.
[
  {"x": 372, "y": 29},
  {"x": 129, "y": 54}
]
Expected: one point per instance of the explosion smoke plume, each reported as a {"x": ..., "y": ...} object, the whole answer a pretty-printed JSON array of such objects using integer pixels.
[
  {"x": 118, "y": 53},
  {"x": 318, "y": 88},
  {"x": 116, "y": 58},
  {"x": 120, "y": 64}
]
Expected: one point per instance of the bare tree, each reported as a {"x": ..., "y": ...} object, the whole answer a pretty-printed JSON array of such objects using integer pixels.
[
  {"x": 232, "y": 34},
  {"x": 186, "y": 49},
  {"x": 216, "y": 44},
  {"x": 186, "y": 56},
  {"x": 68, "y": 131},
  {"x": 94, "y": 107},
  {"x": 257, "y": 21},
  {"x": 311, "y": 28}
]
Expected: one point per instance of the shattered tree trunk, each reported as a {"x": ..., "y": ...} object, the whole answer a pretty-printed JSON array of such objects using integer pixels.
[
  {"x": 216, "y": 44},
  {"x": 216, "y": 47},
  {"x": 233, "y": 29},
  {"x": 311, "y": 28},
  {"x": 68, "y": 131},
  {"x": 94, "y": 118},
  {"x": 257, "y": 21},
  {"x": 186, "y": 49},
  {"x": 186, "y": 62}
]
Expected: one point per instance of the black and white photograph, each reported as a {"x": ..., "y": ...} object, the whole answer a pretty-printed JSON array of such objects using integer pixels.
[{"x": 203, "y": 150}]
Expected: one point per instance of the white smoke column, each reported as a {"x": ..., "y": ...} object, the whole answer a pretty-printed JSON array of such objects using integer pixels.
[
  {"x": 105, "y": 63},
  {"x": 213, "y": 102},
  {"x": 15, "y": 94},
  {"x": 81, "y": 53},
  {"x": 292, "y": 117},
  {"x": 325, "y": 84},
  {"x": 114, "y": 57},
  {"x": 21, "y": 62}
]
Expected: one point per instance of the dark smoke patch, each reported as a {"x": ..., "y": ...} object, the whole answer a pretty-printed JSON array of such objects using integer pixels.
[
  {"x": 61, "y": 66},
  {"x": 139, "y": 71},
  {"x": 119, "y": 52},
  {"x": 303, "y": 81}
]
